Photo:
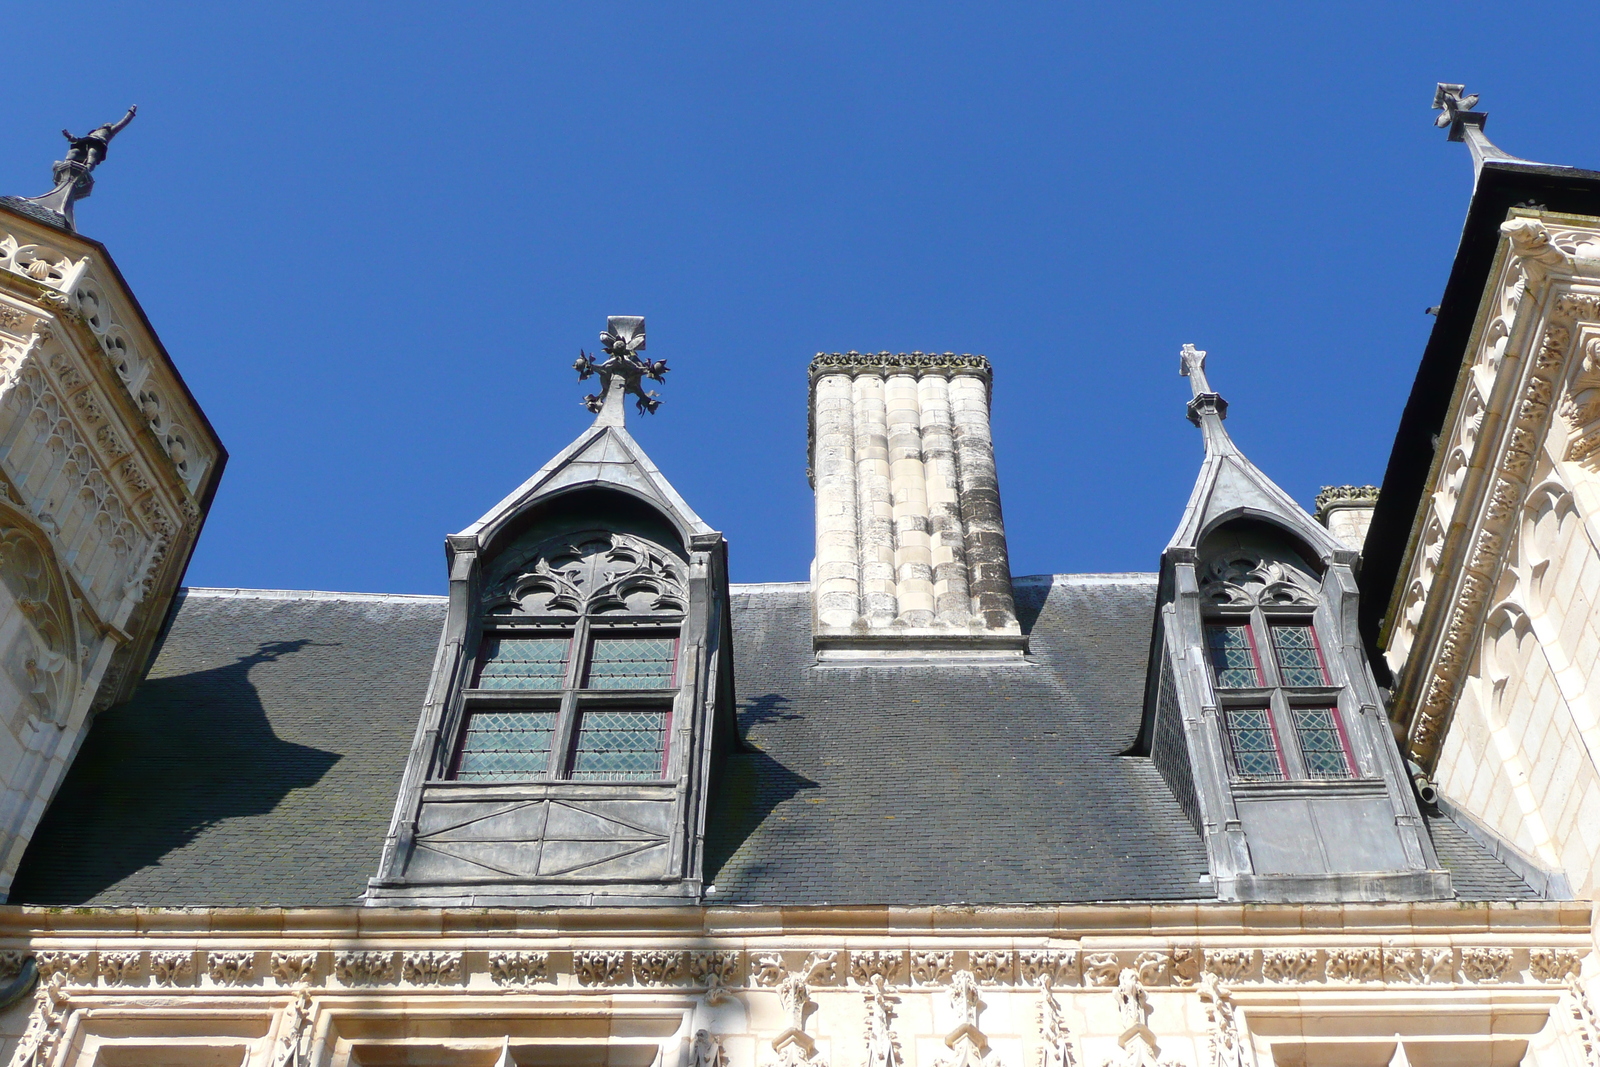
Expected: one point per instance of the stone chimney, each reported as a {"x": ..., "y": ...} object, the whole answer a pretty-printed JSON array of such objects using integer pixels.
[
  {"x": 911, "y": 547},
  {"x": 1346, "y": 510}
]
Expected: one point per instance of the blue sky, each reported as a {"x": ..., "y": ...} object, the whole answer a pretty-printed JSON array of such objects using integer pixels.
[{"x": 374, "y": 236}]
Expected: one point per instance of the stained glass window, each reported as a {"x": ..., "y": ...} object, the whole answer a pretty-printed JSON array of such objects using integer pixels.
[
  {"x": 1298, "y": 659},
  {"x": 632, "y": 662},
  {"x": 1320, "y": 743},
  {"x": 1233, "y": 655},
  {"x": 524, "y": 662},
  {"x": 620, "y": 744},
  {"x": 1254, "y": 749},
  {"x": 505, "y": 746}
]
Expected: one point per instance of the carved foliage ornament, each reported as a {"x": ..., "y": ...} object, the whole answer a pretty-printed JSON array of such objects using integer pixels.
[
  {"x": 1242, "y": 580},
  {"x": 593, "y": 573}
]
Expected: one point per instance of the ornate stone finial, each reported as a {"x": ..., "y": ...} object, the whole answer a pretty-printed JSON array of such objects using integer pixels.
[
  {"x": 622, "y": 372},
  {"x": 74, "y": 176},
  {"x": 1455, "y": 105}
]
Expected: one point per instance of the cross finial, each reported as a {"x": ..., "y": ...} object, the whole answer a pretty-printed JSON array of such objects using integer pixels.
[
  {"x": 622, "y": 372},
  {"x": 1207, "y": 409}
]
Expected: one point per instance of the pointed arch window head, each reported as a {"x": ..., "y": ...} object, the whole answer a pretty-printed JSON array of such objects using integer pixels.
[{"x": 577, "y": 668}]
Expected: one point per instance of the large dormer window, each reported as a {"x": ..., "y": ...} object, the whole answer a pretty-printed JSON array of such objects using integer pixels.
[
  {"x": 1278, "y": 702},
  {"x": 577, "y": 668}
]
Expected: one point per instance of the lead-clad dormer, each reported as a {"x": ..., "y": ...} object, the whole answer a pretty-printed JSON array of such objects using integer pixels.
[
  {"x": 583, "y": 691},
  {"x": 1261, "y": 711}
]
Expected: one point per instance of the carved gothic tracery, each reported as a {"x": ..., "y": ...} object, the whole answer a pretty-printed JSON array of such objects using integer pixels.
[
  {"x": 1247, "y": 581},
  {"x": 593, "y": 573}
]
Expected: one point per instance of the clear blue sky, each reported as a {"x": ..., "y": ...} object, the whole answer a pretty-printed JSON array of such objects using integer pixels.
[{"x": 374, "y": 236}]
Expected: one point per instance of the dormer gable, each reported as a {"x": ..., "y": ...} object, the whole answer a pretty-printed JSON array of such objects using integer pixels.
[{"x": 582, "y": 696}]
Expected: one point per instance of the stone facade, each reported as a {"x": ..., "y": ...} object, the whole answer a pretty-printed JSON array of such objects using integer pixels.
[
  {"x": 1494, "y": 635},
  {"x": 106, "y": 470},
  {"x": 1096, "y": 985}
]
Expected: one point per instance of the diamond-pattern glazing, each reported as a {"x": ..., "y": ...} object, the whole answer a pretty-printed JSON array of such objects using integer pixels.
[
  {"x": 524, "y": 662},
  {"x": 620, "y": 744},
  {"x": 1255, "y": 753},
  {"x": 1233, "y": 656},
  {"x": 1298, "y": 659},
  {"x": 632, "y": 662},
  {"x": 504, "y": 746},
  {"x": 1320, "y": 743}
]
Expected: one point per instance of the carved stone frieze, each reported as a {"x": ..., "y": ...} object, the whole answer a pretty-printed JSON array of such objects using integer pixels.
[
  {"x": 292, "y": 968},
  {"x": 991, "y": 967},
  {"x": 230, "y": 968},
  {"x": 1231, "y": 964},
  {"x": 364, "y": 968},
  {"x": 1056, "y": 966},
  {"x": 431, "y": 968},
  {"x": 931, "y": 968},
  {"x": 119, "y": 968},
  {"x": 1102, "y": 968},
  {"x": 1554, "y": 964},
  {"x": 1485, "y": 964},
  {"x": 76, "y": 968},
  {"x": 1418, "y": 965},
  {"x": 1355, "y": 965},
  {"x": 660, "y": 967},
  {"x": 716, "y": 971},
  {"x": 876, "y": 964},
  {"x": 1296, "y": 965},
  {"x": 519, "y": 968},
  {"x": 170, "y": 968},
  {"x": 600, "y": 968}
]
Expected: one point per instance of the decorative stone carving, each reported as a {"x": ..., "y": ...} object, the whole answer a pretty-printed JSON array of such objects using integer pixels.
[
  {"x": 623, "y": 336},
  {"x": 931, "y": 968},
  {"x": 1355, "y": 965},
  {"x": 431, "y": 968},
  {"x": 1137, "y": 1041},
  {"x": 871, "y": 964},
  {"x": 364, "y": 968},
  {"x": 600, "y": 968},
  {"x": 883, "y": 1048},
  {"x": 707, "y": 1050},
  {"x": 293, "y": 1047},
  {"x": 991, "y": 967},
  {"x": 593, "y": 573},
  {"x": 659, "y": 967},
  {"x": 170, "y": 968},
  {"x": 767, "y": 968},
  {"x": 519, "y": 968},
  {"x": 1418, "y": 965},
  {"x": 37, "y": 1046},
  {"x": 1482, "y": 964},
  {"x": 1247, "y": 581},
  {"x": 230, "y": 968},
  {"x": 1155, "y": 968},
  {"x": 291, "y": 968},
  {"x": 1290, "y": 965},
  {"x": 1228, "y": 1044},
  {"x": 77, "y": 967},
  {"x": 717, "y": 971},
  {"x": 967, "y": 1044},
  {"x": 1056, "y": 1041},
  {"x": 793, "y": 1047},
  {"x": 118, "y": 968},
  {"x": 1102, "y": 968},
  {"x": 1231, "y": 964},
  {"x": 11, "y": 962},
  {"x": 1585, "y": 1022},
  {"x": 1040, "y": 966},
  {"x": 1554, "y": 964}
]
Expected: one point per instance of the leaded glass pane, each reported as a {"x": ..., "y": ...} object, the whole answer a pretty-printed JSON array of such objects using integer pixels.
[
  {"x": 505, "y": 746},
  {"x": 1255, "y": 752},
  {"x": 524, "y": 662},
  {"x": 1233, "y": 656},
  {"x": 1298, "y": 659},
  {"x": 633, "y": 662},
  {"x": 1320, "y": 743},
  {"x": 620, "y": 744}
]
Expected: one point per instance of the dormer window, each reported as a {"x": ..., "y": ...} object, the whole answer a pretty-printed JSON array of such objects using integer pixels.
[
  {"x": 578, "y": 666},
  {"x": 1279, "y": 709}
]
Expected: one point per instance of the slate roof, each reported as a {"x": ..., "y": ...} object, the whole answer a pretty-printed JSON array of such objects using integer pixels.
[{"x": 258, "y": 764}]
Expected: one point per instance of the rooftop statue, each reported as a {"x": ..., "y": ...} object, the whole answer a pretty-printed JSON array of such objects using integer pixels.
[{"x": 74, "y": 176}]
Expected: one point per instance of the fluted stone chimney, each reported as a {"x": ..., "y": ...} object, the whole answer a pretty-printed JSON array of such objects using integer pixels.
[
  {"x": 911, "y": 547},
  {"x": 1346, "y": 510}
]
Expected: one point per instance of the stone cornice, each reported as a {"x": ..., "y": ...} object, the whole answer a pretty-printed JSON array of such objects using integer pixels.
[
  {"x": 899, "y": 362},
  {"x": 1333, "y": 497},
  {"x": 1546, "y": 293}
]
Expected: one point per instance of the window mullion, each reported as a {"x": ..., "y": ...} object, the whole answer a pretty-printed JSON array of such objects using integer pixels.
[{"x": 577, "y": 664}]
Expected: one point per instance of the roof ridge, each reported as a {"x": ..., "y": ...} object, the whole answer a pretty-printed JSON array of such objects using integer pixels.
[{"x": 308, "y": 594}]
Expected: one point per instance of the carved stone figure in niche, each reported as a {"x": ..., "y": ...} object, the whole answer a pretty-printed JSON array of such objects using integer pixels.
[{"x": 593, "y": 573}]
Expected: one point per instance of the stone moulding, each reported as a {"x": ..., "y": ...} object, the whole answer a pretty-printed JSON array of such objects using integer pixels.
[{"x": 1533, "y": 325}]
